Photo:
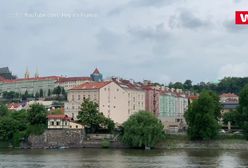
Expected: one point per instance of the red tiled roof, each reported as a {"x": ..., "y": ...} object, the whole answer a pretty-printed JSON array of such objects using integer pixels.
[
  {"x": 59, "y": 116},
  {"x": 96, "y": 71},
  {"x": 2, "y": 78},
  {"x": 193, "y": 97},
  {"x": 91, "y": 85},
  {"x": 126, "y": 84},
  {"x": 61, "y": 80},
  {"x": 228, "y": 95},
  {"x": 14, "y": 105}
]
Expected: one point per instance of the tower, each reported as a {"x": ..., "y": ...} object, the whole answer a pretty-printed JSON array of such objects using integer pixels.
[
  {"x": 27, "y": 74},
  {"x": 96, "y": 76},
  {"x": 36, "y": 73}
]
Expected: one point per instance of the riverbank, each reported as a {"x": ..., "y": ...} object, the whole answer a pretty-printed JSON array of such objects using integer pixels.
[{"x": 225, "y": 142}]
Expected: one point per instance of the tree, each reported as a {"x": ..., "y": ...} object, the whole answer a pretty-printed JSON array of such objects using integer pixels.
[
  {"x": 37, "y": 95},
  {"x": 202, "y": 117},
  {"x": 57, "y": 90},
  {"x": 91, "y": 117},
  {"x": 49, "y": 93},
  {"x": 41, "y": 93},
  {"x": 142, "y": 130},
  {"x": 243, "y": 111},
  {"x": 187, "y": 84},
  {"x": 37, "y": 114},
  {"x": 232, "y": 117},
  {"x": 3, "y": 110}
]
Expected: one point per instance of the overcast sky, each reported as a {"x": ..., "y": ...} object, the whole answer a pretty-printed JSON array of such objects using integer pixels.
[{"x": 160, "y": 40}]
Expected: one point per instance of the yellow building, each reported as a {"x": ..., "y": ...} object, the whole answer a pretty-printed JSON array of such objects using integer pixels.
[{"x": 62, "y": 122}]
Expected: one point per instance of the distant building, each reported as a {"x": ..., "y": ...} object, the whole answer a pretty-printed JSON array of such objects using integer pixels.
[
  {"x": 31, "y": 85},
  {"x": 110, "y": 97},
  {"x": 96, "y": 76},
  {"x": 15, "y": 106},
  {"x": 172, "y": 108},
  {"x": 229, "y": 97},
  {"x": 62, "y": 122},
  {"x": 117, "y": 99},
  {"x": 6, "y": 74},
  {"x": 71, "y": 82},
  {"x": 136, "y": 95}
]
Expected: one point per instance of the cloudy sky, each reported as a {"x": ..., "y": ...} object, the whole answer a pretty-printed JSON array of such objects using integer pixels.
[{"x": 160, "y": 40}]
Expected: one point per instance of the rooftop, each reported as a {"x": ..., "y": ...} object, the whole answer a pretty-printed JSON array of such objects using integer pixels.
[
  {"x": 69, "y": 79},
  {"x": 228, "y": 95},
  {"x": 59, "y": 116},
  {"x": 91, "y": 85},
  {"x": 4, "y": 70}
]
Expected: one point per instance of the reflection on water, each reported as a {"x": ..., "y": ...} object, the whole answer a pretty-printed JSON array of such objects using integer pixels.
[{"x": 107, "y": 158}]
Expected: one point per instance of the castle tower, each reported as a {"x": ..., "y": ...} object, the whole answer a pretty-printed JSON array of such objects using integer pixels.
[{"x": 96, "y": 76}]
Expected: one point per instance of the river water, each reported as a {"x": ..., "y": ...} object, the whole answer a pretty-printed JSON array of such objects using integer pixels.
[{"x": 109, "y": 158}]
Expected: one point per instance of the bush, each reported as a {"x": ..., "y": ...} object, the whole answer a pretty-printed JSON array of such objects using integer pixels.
[{"x": 105, "y": 143}]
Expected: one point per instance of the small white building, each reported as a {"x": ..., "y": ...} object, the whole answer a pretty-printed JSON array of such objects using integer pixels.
[{"x": 62, "y": 122}]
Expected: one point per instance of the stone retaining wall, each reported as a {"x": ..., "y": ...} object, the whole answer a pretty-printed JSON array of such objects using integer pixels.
[{"x": 57, "y": 138}]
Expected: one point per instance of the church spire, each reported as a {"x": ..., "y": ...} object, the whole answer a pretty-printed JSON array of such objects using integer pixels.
[
  {"x": 36, "y": 73},
  {"x": 27, "y": 74}
]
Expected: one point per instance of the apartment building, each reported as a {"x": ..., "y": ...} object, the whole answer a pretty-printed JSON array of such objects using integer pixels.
[
  {"x": 111, "y": 98},
  {"x": 172, "y": 108}
]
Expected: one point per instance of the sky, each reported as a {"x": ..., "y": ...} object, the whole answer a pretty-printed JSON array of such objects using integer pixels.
[{"x": 158, "y": 40}]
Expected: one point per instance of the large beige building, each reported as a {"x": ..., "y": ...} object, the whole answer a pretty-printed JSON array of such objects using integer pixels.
[
  {"x": 31, "y": 85},
  {"x": 116, "y": 100},
  {"x": 71, "y": 82}
]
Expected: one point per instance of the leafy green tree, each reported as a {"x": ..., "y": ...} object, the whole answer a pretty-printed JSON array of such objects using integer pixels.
[
  {"x": 91, "y": 117},
  {"x": 243, "y": 110},
  {"x": 187, "y": 84},
  {"x": 37, "y": 114},
  {"x": 231, "y": 117},
  {"x": 143, "y": 129},
  {"x": 3, "y": 110},
  {"x": 8, "y": 127},
  {"x": 202, "y": 117}
]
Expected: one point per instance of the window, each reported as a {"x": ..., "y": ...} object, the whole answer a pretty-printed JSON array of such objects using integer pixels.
[
  {"x": 72, "y": 98},
  {"x": 78, "y": 97},
  {"x": 117, "y": 90},
  {"x": 57, "y": 123},
  {"x": 66, "y": 123},
  {"x": 52, "y": 123},
  {"x": 76, "y": 126}
]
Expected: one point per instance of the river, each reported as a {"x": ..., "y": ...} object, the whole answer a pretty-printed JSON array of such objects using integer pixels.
[{"x": 109, "y": 158}]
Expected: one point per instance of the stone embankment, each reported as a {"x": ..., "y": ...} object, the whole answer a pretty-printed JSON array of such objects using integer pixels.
[{"x": 57, "y": 139}]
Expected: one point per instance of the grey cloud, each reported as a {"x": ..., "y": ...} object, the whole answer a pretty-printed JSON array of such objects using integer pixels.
[
  {"x": 148, "y": 33},
  {"x": 149, "y": 3},
  {"x": 187, "y": 19}
]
